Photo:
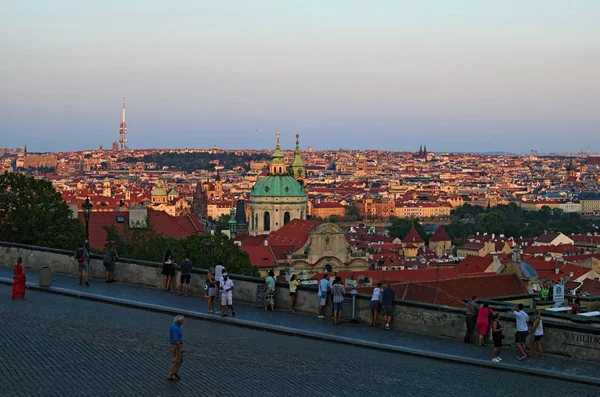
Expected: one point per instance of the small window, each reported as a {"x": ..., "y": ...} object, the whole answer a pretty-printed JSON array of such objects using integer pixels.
[{"x": 120, "y": 219}]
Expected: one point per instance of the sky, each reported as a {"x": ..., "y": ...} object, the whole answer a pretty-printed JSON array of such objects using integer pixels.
[{"x": 455, "y": 75}]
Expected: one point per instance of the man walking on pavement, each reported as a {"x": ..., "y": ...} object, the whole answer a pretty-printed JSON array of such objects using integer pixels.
[
  {"x": 471, "y": 319},
  {"x": 176, "y": 347},
  {"x": 522, "y": 330}
]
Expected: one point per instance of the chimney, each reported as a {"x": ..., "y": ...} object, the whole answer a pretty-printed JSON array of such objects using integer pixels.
[
  {"x": 571, "y": 274},
  {"x": 556, "y": 270},
  {"x": 138, "y": 216},
  {"x": 266, "y": 243}
]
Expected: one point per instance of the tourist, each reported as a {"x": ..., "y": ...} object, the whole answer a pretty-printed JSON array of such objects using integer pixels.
[
  {"x": 19, "y": 279},
  {"x": 186, "y": 274},
  {"x": 545, "y": 291},
  {"x": 483, "y": 322},
  {"x": 387, "y": 303},
  {"x": 522, "y": 330},
  {"x": 168, "y": 269},
  {"x": 110, "y": 257},
  {"x": 211, "y": 290},
  {"x": 270, "y": 291},
  {"x": 219, "y": 270},
  {"x": 176, "y": 347},
  {"x": 576, "y": 307},
  {"x": 293, "y": 285},
  {"x": 337, "y": 292},
  {"x": 82, "y": 257},
  {"x": 375, "y": 305},
  {"x": 538, "y": 333},
  {"x": 497, "y": 337},
  {"x": 227, "y": 295},
  {"x": 322, "y": 291},
  {"x": 471, "y": 318}
]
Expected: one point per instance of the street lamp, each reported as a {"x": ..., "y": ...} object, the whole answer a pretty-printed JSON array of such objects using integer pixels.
[{"x": 87, "y": 211}]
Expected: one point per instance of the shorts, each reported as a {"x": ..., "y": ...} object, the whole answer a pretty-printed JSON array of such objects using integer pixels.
[
  {"x": 292, "y": 294},
  {"x": 83, "y": 266},
  {"x": 212, "y": 291},
  {"x": 538, "y": 337},
  {"x": 185, "y": 278},
  {"x": 497, "y": 340},
  {"x": 226, "y": 299},
  {"x": 338, "y": 307},
  {"x": 109, "y": 266},
  {"x": 521, "y": 336},
  {"x": 388, "y": 310},
  {"x": 374, "y": 306},
  {"x": 322, "y": 301}
]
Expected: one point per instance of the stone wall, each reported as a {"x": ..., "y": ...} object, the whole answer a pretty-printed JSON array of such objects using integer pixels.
[{"x": 564, "y": 334}]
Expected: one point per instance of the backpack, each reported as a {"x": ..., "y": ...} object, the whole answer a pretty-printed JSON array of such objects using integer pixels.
[{"x": 79, "y": 255}]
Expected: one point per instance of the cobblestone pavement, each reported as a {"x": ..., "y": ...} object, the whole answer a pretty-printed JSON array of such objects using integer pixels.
[
  {"x": 53, "y": 345},
  {"x": 565, "y": 366}
]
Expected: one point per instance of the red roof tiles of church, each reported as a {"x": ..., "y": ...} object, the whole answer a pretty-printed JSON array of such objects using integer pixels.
[
  {"x": 412, "y": 236},
  {"x": 440, "y": 235},
  {"x": 294, "y": 233}
]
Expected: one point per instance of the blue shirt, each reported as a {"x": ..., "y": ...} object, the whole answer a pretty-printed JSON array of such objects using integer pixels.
[
  {"x": 175, "y": 334},
  {"x": 388, "y": 296}
]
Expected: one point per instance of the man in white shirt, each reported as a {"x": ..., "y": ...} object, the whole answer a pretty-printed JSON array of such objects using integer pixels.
[
  {"x": 227, "y": 294},
  {"x": 322, "y": 292},
  {"x": 219, "y": 269},
  {"x": 375, "y": 304},
  {"x": 522, "y": 330}
]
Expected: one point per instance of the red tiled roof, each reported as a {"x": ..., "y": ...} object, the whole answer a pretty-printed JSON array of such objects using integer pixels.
[
  {"x": 440, "y": 235},
  {"x": 547, "y": 237},
  {"x": 294, "y": 233},
  {"x": 561, "y": 248},
  {"x": 260, "y": 256},
  {"x": 412, "y": 236},
  {"x": 472, "y": 246},
  {"x": 327, "y": 204},
  {"x": 473, "y": 264}
]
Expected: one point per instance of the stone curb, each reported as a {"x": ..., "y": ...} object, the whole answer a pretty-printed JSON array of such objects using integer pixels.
[{"x": 311, "y": 335}]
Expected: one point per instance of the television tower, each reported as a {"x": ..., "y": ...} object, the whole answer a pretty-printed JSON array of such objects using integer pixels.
[{"x": 123, "y": 130}]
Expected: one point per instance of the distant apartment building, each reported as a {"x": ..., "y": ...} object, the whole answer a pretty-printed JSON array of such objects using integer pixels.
[
  {"x": 376, "y": 207},
  {"x": 537, "y": 205},
  {"x": 421, "y": 209},
  {"x": 39, "y": 160},
  {"x": 590, "y": 203},
  {"x": 326, "y": 209},
  {"x": 570, "y": 206}
]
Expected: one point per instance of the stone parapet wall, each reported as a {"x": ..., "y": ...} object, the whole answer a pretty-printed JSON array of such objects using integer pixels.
[{"x": 564, "y": 334}]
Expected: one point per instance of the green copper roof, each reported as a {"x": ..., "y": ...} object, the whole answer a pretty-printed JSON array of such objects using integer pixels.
[
  {"x": 277, "y": 157},
  {"x": 277, "y": 186},
  {"x": 159, "y": 191},
  {"x": 298, "y": 168},
  {"x": 173, "y": 192}
]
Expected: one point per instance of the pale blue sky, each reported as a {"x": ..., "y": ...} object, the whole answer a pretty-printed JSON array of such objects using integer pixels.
[{"x": 457, "y": 75}]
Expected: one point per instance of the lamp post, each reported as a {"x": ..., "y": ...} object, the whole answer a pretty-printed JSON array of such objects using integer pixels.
[{"x": 87, "y": 211}]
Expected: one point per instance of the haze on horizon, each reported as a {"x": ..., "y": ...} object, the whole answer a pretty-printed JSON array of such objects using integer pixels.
[{"x": 461, "y": 75}]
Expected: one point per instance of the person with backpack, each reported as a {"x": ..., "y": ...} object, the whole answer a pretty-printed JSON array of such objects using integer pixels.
[
  {"x": 82, "y": 257},
  {"x": 109, "y": 264}
]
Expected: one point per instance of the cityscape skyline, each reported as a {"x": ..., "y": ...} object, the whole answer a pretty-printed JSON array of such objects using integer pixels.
[{"x": 466, "y": 77}]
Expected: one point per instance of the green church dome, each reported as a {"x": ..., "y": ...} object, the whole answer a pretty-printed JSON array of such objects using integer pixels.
[
  {"x": 159, "y": 191},
  {"x": 277, "y": 186}
]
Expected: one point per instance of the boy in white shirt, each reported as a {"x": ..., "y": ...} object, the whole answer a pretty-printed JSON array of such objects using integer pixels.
[{"x": 522, "y": 330}]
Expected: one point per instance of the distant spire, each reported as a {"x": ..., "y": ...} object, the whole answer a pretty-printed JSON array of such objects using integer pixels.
[{"x": 420, "y": 149}]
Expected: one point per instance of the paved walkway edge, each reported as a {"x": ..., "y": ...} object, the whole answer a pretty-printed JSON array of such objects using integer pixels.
[{"x": 310, "y": 335}]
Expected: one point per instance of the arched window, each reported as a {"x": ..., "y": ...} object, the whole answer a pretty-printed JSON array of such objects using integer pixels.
[
  {"x": 286, "y": 218},
  {"x": 267, "y": 221},
  {"x": 328, "y": 268}
]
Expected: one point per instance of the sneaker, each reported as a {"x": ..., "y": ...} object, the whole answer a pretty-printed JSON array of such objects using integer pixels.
[
  {"x": 495, "y": 360},
  {"x": 321, "y": 316},
  {"x": 86, "y": 283},
  {"x": 499, "y": 358},
  {"x": 387, "y": 327},
  {"x": 523, "y": 357}
]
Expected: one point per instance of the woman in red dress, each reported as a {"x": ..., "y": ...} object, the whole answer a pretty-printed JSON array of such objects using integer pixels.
[
  {"x": 18, "y": 288},
  {"x": 483, "y": 321}
]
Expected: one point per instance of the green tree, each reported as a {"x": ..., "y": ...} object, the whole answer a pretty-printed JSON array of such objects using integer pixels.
[
  {"x": 222, "y": 223},
  {"x": 352, "y": 213},
  {"x": 33, "y": 212},
  {"x": 401, "y": 226}
]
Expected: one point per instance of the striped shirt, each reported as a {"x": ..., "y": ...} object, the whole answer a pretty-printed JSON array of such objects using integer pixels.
[{"x": 338, "y": 293}]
